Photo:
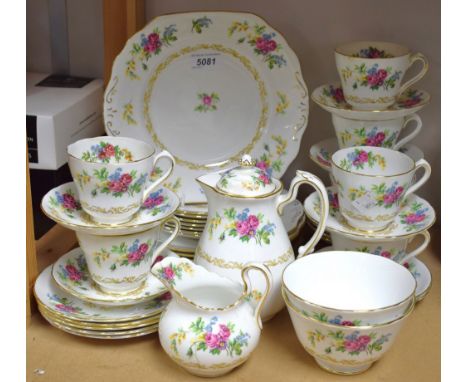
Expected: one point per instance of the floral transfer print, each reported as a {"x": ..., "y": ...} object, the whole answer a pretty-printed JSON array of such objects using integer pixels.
[
  {"x": 173, "y": 186},
  {"x": 156, "y": 203},
  {"x": 270, "y": 161},
  {"x": 379, "y": 194},
  {"x": 174, "y": 272},
  {"x": 374, "y": 77},
  {"x": 199, "y": 24},
  {"x": 414, "y": 218},
  {"x": 359, "y": 157},
  {"x": 213, "y": 337},
  {"x": 372, "y": 52},
  {"x": 333, "y": 202},
  {"x": 66, "y": 202},
  {"x": 336, "y": 93},
  {"x": 104, "y": 152},
  {"x": 207, "y": 102},
  {"x": 116, "y": 184},
  {"x": 337, "y": 320},
  {"x": 127, "y": 114},
  {"x": 62, "y": 304},
  {"x": 282, "y": 104},
  {"x": 150, "y": 45},
  {"x": 129, "y": 255},
  {"x": 374, "y": 137},
  {"x": 392, "y": 253},
  {"x": 243, "y": 225},
  {"x": 409, "y": 99},
  {"x": 353, "y": 344},
  {"x": 259, "y": 179},
  {"x": 263, "y": 43},
  {"x": 75, "y": 271}
]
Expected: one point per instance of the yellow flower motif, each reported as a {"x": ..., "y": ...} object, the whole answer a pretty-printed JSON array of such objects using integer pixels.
[
  {"x": 283, "y": 103},
  {"x": 130, "y": 70},
  {"x": 127, "y": 154},
  {"x": 251, "y": 186},
  {"x": 346, "y": 73},
  {"x": 187, "y": 268},
  {"x": 83, "y": 179},
  {"x": 281, "y": 144},
  {"x": 174, "y": 187},
  {"x": 345, "y": 136},
  {"x": 127, "y": 114},
  {"x": 238, "y": 26},
  {"x": 213, "y": 224},
  {"x": 381, "y": 161}
]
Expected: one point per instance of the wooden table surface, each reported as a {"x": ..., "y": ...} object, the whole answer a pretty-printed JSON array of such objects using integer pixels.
[{"x": 415, "y": 355}]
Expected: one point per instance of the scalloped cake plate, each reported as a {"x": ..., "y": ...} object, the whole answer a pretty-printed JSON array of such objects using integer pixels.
[{"x": 209, "y": 87}]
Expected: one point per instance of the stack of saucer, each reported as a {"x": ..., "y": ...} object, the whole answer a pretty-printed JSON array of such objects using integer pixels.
[
  {"x": 373, "y": 207},
  {"x": 104, "y": 289},
  {"x": 193, "y": 220}
]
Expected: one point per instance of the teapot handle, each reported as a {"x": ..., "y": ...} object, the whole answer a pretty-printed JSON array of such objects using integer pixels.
[
  {"x": 247, "y": 286},
  {"x": 304, "y": 177}
]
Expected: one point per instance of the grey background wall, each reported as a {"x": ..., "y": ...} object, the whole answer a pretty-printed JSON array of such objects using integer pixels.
[{"x": 312, "y": 28}]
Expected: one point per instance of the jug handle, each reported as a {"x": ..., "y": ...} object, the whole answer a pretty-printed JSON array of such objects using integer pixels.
[
  {"x": 304, "y": 177},
  {"x": 247, "y": 286},
  {"x": 166, "y": 242}
]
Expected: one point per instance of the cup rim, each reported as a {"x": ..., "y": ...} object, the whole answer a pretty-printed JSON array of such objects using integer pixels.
[
  {"x": 136, "y": 141},
  {"x": 407, "y": 312},
  {"x": 339, "y": 49},
  {"x": 334, "y": 164},
  {"x": 380, "y": 309}
]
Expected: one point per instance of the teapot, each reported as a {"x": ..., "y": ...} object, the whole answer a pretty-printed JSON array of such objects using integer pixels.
[
  {"x": 244, "y": 225},
  {"x": 209, "y": 327}
]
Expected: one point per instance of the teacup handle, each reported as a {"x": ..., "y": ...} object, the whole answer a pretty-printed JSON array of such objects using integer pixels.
[
  {"x": 166, "y": 242},
  {"x": 162, "y": 178},
  {"x": 417, "y": 251},
  {"x": 413, "y": 58},
  {"x": 410, "y": 136},
  {"x": 304, "y": 177},
  {"x": 248, "y": 286},
  {"x": 422, "y": 163}
]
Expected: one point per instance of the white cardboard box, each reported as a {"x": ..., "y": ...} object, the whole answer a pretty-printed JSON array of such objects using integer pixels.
[{"x": 58, "y": 116}]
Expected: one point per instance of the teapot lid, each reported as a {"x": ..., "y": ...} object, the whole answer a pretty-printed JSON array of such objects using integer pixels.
[{"x": 247, "y": 180}]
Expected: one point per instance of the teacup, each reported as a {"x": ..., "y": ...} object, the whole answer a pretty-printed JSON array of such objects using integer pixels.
[
  {"x": 394, "y": 249},
  {"x": 112, "y": 175},
  {"x": 121, "y": 264},
  {"x": 371, "y": 72},
  {"x": 352, "y": 132},
  {"x": 372, "y": 182}
]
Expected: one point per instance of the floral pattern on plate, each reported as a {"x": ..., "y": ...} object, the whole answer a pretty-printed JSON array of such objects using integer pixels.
[
  {"x": 212, "y": 337},
  {"x": 74, "y": 271},
  {"x": 66, "y": 202},
  {"x": 201, "y": 23},
  {"x": 242, "y": 225},
  {"x": 263, "y": 43},
  {"x": 208, "y": 102},
  {"x": 105, "y": 152},
  {"x": 414, "y": 218},
  {"x": 271, "y": 161},
  {"x": 156, "y": 202}
]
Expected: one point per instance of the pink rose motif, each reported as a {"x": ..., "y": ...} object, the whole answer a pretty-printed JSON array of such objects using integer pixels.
[
  {"x": 410, "y": 102},
  {"x": 242, "y": 227},
  {"x": 352, "y": 345},
  {"x": 166, "y": 296},
  {"x": 364, "y": 340},
  {"x": 168, "y": 273},
  {"x": 399, "y": 190},
  {"x": 69, "y": 202},
  {"x": 363, "y": 157},
  {"x": 207, "y": 100},
  {"x": 115, "y": 186},
  {"x": 224, "y": 332},
  {"x": 379, "y": 138},
  {"x": 134, "y": 257},
  {"x": 73, "y": 273},
  {"x": 389, "y": 198},
  {"x": 159, "y": 258},
  {"x": 262, "y": 165},
  {"x": 143, "y": 248},
  {"x": 65, "y": 308},
  {"x": 415, "y": 218},
  {"x": 153, "y": 43},
  {"x": 153, "y": 202},
  {"x": 126, "y": 179},
  {"x": 212, "y": 340},
  {"x": 386, "y": 254},
  {"x": 347, "y": 323},
  {"x": 334, "y": 202},
  {"x": 264, "y": 178},
  {"x": 265, "y": 46},
  {"x": 107, "y": 151},
  {"x": 406, "y": 265},
  {"x": 253, "y": 222},
  {"x": 338, "y": 95}
]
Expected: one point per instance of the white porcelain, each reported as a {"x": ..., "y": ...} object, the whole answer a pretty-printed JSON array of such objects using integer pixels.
[
  {"x": 372, "y": 182},
  {"x": 71, "y": 274},
  {"x": 49, "y": 294},
  {"x": 344, "y": 349},
  {"x": 416, "y": 215},
  {"x": 62, "y": 205},
  {"x": 112, "y": 176},
  {"x": 122, "y": 263},
  {"x": 418, "y": 269},
  {"x": 322, "y": 151},
  {"x": 244, "y": 229},
  {"x": 371, "y": 72},
  {"x": 209, "y": 87},
  {"x": 351, "y": 132},
  {"x": 211, "y": 325},
  {"x": 394, "y": 249},
  {"x": 349, "y": 288},
  {"x": 330, "y": 98}
]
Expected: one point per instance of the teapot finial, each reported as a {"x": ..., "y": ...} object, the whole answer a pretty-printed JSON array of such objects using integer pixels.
[{"x": 247, "y": 161}]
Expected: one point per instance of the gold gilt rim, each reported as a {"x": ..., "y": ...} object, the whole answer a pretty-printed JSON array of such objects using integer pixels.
[
  {"x": 339, "y": 50},
  {"x": 247, "y": 65},
  {"x": 277, "y": 190},
  {"x": 381, "y": 309},
  {"x": 134, "y": 324},
  {"x": 361, "y": 327}
]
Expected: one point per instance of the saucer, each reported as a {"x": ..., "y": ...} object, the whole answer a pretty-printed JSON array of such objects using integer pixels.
[
  {"x": 322, "y": 151},
  {"x": 69, "y": 213},
  {"x": 416, "y": 215},
  {"x": 70, "y": 272},
  {"x": 419, "y": 271},
  {"x": 330, "y": 98},
  {"x": 48, "y": 294}
]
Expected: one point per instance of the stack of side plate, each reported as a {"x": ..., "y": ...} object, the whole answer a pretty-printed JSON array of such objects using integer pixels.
[{"x": 193, "y": 219}]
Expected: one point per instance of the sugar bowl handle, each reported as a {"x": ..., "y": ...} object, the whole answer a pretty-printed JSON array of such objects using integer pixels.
[
  {"x": 248, "y": 286},
  {"x": 163, "y": 177},
  {"x": 304, "y": 177}
]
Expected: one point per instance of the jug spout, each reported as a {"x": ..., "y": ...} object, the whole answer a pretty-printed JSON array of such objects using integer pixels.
[{"x": 208, "y": 181}]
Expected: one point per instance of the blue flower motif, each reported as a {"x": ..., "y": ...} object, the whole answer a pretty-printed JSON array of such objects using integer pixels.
[
  {"x": 353, "y": 336},
  {"x": 337, "y": 320},
  {"x": 244, "y": 214},
  {"x": 269, "y": 227},
  {"x": 142, "y": 179},
  {"x": 59, "y": 197},
  {"x": 116, "y": 175},
  {"x": 242, "y": 338},
  {"x": 134, "y": 246}
]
